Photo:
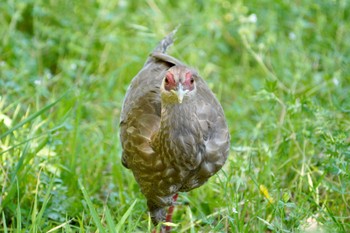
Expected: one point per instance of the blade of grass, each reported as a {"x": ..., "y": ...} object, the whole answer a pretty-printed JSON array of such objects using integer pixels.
[
  {"x": 59, "y": 226},
  {"x": 39, "y": 216},
  {"x": 18, "y": 211},
  {"x": 14, "y": 186},
  {"x": 190, "y": 216},
  {"x": 4, "y": 222},
  {"x": 32, "y": 116},
  {"x": 24, "y": 154},
  {"x": 220, "y": 211},
  {"x": 92, "y": 209},
  {"x": 109, "y": 219},
  {"x": 21, "y": 143},
  {"x": 149, "y": 225},
  {"x": 20, "y": 166},
  {"x": 124, "y": 217},
  {"x": 35, "y": 206}
]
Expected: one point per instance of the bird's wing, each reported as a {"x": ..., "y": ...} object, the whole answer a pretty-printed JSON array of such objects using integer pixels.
[
  {"x": 214, "y": 126},
  {"x": 215, "y": 134},
  {"x": 140, "y": 115}
]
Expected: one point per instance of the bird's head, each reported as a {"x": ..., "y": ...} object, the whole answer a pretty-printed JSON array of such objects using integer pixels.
[{"x": 178, "y": 84}]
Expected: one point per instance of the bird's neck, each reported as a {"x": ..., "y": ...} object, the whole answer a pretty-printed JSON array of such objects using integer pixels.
[
  {"x": 177, "y": 116},
  {"x": 176, "y": 120}
]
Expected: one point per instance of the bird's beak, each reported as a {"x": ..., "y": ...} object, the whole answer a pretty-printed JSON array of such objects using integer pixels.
[{"x": 180, "y": 93}]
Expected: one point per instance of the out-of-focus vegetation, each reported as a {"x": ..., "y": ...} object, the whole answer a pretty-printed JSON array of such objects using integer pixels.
[{"x": 280, "y": 69}]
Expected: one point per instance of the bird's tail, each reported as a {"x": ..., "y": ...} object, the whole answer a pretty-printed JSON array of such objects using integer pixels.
[{"x": 166, "y": 42}]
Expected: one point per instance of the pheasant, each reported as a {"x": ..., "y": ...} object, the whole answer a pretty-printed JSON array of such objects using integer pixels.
[{"x": 172, "y": 129}]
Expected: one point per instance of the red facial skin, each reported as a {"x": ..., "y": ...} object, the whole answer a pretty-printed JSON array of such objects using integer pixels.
[
  {"x": 171, "y": 84},
  {"x": 188, "y": 84}
]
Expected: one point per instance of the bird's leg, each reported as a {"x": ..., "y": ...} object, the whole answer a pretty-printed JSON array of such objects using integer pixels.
[
  {"x": 155, "y": 213},
  {"x": 170, "y": 213}
]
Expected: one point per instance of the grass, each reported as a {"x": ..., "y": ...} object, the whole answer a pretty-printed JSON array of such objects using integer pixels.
[{"x": 280, "y": 69}]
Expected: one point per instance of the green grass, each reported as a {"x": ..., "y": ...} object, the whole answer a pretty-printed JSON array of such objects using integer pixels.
[{"x": 281, "y": 70}]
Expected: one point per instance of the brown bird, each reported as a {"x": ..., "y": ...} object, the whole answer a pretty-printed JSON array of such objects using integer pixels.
[{"x": 172, "y": 129}]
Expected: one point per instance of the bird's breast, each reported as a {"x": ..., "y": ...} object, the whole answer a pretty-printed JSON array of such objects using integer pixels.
[{"x": 180, "y": 141}]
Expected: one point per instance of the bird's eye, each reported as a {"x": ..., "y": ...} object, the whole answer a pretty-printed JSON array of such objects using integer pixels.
[
  {"x": 192, "y": 80},
  {"x": 166, "y": 80}
]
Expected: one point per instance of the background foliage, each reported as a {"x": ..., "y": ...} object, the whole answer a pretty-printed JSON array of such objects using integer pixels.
[{"x": 280, "y": 69}]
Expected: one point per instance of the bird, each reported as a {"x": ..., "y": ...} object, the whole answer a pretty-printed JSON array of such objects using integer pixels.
[{"x": 173, "y": 131}]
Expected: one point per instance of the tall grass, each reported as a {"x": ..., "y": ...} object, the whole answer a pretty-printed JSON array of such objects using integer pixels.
[{"x": 279, "y": 68}]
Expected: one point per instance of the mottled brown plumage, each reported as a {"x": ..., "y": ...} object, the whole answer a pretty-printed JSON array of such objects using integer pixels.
[{"x": 172, "y": 129}]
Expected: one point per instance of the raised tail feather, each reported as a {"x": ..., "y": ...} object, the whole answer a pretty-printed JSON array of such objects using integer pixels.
[
  {"x": 159, "y": 53},
  {"x": 166, "y": 42}
]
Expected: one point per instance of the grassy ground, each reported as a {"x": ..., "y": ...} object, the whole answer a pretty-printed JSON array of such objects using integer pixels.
[{"x": 280, "y": 69}]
